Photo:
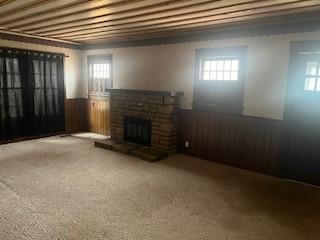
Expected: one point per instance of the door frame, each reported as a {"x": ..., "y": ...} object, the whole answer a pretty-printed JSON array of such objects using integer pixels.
[{"x": 289, "y": 137}]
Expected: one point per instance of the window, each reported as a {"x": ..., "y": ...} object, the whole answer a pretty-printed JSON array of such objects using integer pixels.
[
  {"x": 312, "y": 76},
  {"x": 218, "y": 85},
  {"x": 218, "y": 69},
  {"x": 100, "y": 74}
]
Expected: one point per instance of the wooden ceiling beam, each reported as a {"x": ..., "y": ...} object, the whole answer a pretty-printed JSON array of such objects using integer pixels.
[
  {"x": 21, "y": 7},
  {"x": 87, "y": 15},
  {"x": 194, "y": 16},
  {"x": 164, "y": 5},
  {"x": 162, "y": 14},
  {"x": 186, "y": 27},
  {"x": 66, "y": 10},
  {"x": 225, "y": 18},
  {"x": 126, "y": 19},
  {"x": 277, "y": 25},
  {"x": 5, "y": 2}
]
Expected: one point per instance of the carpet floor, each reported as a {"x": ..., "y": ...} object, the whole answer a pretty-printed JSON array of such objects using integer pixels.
[{"x": 64, "y": 188}]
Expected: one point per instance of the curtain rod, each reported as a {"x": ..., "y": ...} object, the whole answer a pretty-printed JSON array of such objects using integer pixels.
[{"x": 34, "y": 51}]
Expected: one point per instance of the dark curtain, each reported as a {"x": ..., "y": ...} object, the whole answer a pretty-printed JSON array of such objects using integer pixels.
[
  {"x": 48, "y": 94},
  {"x": 12, "y": 101},
  {"x": 2, "y": 106},
  {"x": 32, "y": 93}
]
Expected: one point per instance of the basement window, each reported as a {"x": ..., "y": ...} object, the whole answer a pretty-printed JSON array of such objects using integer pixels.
[
  {"x": 100, "y": 74},
  {"x": 220, "y": 69},
  {"x": 312, "y": 77},
  {"x": 219, "y": 80}
]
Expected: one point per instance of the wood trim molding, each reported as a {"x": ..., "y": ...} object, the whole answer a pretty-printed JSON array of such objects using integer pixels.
[{"x": 35, "y": 40}]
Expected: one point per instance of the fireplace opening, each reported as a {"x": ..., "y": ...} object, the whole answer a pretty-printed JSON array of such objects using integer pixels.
[{"x": 137, "y": 130}]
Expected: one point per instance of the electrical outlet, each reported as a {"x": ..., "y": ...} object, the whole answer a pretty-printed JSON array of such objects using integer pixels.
[{"x": 186, "y": 144}]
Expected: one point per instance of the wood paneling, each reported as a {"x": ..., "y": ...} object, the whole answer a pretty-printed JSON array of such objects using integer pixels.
[
  {"x": 87, "y": 22},
  {"x": 76, "y": 115},
  {"x": 99, "y": 115},
  {"x": 245, "y": 142}
]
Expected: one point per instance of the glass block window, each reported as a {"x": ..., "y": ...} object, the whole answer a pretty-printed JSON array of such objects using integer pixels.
[
  {"x": 312, "y": 76},
  {"x": 220, "y": 69}
]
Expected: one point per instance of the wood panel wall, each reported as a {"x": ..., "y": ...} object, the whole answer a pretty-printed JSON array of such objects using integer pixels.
[
  {"x": 76, "y": 115},
  {"x": 245, "y": 142},
  {"x": 99, "y": 115}
]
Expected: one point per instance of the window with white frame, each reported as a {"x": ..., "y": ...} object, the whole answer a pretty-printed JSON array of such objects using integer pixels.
[
  {"x": 100, "y": 74},
  {"x": 220, "y": 69},
  {"x": 312, "y": 76}
]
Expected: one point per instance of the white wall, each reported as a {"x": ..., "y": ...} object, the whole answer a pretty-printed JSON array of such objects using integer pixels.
[
  {"x": 73, "y": 65},
  {"x": 171, "y": 67}
]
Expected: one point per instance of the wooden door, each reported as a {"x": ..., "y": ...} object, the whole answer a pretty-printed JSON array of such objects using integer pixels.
[
  {"x": 303, "y": 118},
  {"x": 99, "y": 114},
  {"x": 100, "y": 80}
]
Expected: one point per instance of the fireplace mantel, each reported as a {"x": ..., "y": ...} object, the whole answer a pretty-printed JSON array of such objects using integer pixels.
[{"x": 146, "y": 92}]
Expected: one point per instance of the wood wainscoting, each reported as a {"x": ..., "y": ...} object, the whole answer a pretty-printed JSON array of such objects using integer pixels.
[
  {"x": 99, "y": 114},
  {"x": 92, "y": 114},
  {"x": 245, "y": 142},
  {"x": 76, "y": 115}
]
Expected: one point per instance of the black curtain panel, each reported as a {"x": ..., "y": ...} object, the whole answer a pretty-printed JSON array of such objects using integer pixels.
[
  {"x": 31, "y": 93},
  {"x": 12, "y": 102},
  {"x": 2, "y": 103},
  {"x": 48, "y": 93}
]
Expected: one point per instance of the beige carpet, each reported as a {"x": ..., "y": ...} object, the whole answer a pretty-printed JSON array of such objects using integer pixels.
[{"x": 64, "y": 188}]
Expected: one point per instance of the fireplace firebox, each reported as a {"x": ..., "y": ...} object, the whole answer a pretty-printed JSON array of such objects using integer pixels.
[{"x": 137, "y": 130}]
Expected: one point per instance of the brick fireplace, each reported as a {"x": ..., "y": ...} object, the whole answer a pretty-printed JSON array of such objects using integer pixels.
[{"x": 157, "y": 108}]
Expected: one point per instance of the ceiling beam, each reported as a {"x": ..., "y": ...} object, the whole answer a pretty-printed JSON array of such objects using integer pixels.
[
  {"x": 65, "y": 10},
  {"x": 133, "y": 11},
  {"x": 272, "y": 26},
  {"x": 226, "y": 13},
  {"x": 224, "y": 19},
  {"x": 23, "y": 7},
  {"x": 159, "y": 15}
]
